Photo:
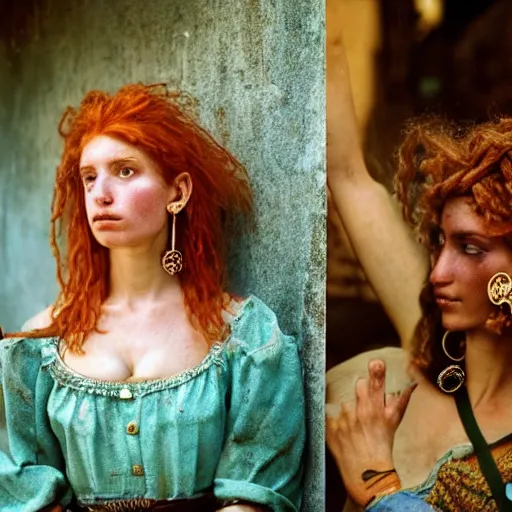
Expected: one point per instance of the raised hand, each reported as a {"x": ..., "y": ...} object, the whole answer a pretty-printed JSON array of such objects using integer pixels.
[{"x": 361, "y": 437}]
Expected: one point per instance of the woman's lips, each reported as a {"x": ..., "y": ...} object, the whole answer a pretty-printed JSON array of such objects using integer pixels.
[
  {"x": 106, "y": 221},
  {"x": 444, "y": 302},
  {"x": 106, "y": 218}
]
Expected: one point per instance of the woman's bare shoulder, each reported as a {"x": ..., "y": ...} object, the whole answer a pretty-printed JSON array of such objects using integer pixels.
[{"x": 42, "y": 320}]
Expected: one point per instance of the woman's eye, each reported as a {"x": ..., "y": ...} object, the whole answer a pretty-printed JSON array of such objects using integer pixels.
[
  {"x": 126, "y": 172},
  {"x": 471, "y": 249},
  {"x": 88, "y": 178}
]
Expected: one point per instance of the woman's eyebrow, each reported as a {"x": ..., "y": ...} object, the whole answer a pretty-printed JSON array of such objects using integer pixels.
[
  {"x": 124, "y": 160},
  {"x": 464, "y": 234},
  {"x": 110, "y": 163}
]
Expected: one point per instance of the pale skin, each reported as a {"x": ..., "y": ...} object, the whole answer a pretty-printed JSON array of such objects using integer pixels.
[
  {"x": 366, "y": 432},
  {"x": 368, "y": 213},
  {"x": 142, "y": 342}
]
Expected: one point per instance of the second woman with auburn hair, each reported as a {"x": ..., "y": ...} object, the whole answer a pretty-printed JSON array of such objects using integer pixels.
[
  {"x": 147, "y": 386},
  {"x": 443, "y": 443}
]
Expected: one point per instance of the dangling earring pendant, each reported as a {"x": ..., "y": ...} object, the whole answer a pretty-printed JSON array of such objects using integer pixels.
[
  {"x": 452, "y": 377},
  {"x": 499, "y": 289},
  {"x": 172, "y": 261}
]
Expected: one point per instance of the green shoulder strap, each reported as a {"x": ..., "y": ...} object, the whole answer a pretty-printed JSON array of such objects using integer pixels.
[{"x": 483, "y": 453}]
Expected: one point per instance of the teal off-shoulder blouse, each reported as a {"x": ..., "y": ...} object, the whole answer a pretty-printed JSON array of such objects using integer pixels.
[{"x": 234, "y": 423}]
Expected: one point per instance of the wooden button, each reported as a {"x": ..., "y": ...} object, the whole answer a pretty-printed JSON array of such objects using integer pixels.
[
  {"x": 125, "y": 394},
  {"x": 137, "y": 470},
  {"x": 132, "y": 428}
]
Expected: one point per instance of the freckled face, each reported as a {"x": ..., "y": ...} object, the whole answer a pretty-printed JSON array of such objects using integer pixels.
[
  {"x": 125, "y": 194},
  {"x": 467, "y": 260}
]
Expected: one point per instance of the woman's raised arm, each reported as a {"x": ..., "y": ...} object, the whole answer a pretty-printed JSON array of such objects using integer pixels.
[{"x": 393, "y": 261}]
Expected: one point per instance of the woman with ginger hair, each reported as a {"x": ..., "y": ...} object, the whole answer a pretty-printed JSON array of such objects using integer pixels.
[
  {"x": 443, "y": 443},
  {"x": 147, "y": 386}
]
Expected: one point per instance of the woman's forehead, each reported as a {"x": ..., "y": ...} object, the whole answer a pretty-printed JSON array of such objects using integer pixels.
[
  {"x": 459, "y": 215},
  {"x": 103, "y": 147}
]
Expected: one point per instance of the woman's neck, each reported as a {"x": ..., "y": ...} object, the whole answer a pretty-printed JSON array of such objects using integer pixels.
[
  {"x": 137, "y": 277},
  {"x": 488, "y": 366}
]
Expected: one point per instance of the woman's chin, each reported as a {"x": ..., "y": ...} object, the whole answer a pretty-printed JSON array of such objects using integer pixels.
[
  {"x": 451, "y": 323},
  {"x": 131, "y": 238},
  {"x": 118, "y": 241}
]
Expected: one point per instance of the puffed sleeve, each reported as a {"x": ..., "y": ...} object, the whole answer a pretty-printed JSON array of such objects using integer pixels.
[
  {"x": 32, "y": 474},
  {"x": 262, "y": 458}
]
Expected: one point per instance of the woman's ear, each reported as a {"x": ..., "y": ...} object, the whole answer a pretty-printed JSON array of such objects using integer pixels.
[{"x": 179, "y": 192}]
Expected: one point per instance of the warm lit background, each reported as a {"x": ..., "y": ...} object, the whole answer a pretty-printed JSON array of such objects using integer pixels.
[{"x": 407, "y": 58}]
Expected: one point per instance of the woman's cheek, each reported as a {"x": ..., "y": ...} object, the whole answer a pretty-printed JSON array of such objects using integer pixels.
[{"x": 147, "y": 202}]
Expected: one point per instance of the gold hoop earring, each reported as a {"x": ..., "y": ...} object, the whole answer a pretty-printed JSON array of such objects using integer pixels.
[
  {"x": 499, "y": 289},
  {"x": 452, "y": 377},
  {"x": 443, "y": 344},
  {"x": 172, "y": 261}
]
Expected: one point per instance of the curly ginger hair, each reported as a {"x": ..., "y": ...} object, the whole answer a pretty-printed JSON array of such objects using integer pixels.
[
  {"x": 439, "y": 161},
  {"x": 161, "y": 123}
]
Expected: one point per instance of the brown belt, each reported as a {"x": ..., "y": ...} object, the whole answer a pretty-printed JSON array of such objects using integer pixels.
[{"x": 204, "y": 503}]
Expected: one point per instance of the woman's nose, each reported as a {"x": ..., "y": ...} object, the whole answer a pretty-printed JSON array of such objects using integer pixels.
[
  {"x": 104, "y": 200},
  {"x": 442, "y": 272},
  {"x": 102, "y": 192}
]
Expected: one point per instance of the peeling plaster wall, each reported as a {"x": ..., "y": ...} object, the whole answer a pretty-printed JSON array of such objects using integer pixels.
[{"x": 257, "y": 68}]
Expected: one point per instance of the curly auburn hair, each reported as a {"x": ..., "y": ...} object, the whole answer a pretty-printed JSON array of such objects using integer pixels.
[
  {"x": 162, "y": 124},
  {"x": 436, "y": 162}
]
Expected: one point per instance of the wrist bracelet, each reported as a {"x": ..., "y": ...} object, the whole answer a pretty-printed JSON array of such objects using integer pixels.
[{"x": 378, "y": 477}]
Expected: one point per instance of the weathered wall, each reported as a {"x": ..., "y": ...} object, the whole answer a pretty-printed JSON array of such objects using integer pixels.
[{"x": 257, "y": 68}]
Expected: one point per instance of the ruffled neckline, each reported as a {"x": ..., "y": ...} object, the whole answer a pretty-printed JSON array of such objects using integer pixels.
[{"x": 66, "y": 376}]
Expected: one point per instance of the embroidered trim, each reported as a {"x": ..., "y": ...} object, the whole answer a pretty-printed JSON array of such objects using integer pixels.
[
  {"x": 67, "y": 377},
  {"x": 130, "y": 505}
]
